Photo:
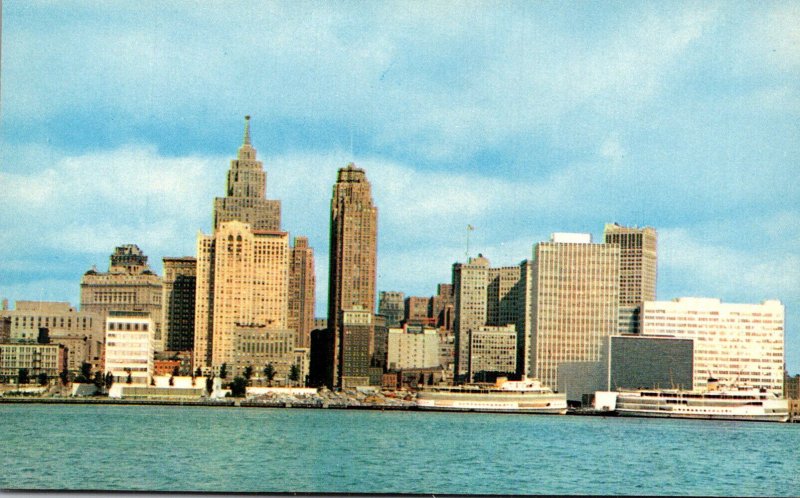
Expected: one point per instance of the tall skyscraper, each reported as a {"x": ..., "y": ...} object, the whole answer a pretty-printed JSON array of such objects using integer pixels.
[
  {"x": 302, "y": 288},
  {"x": 637, "y": 271},
  {"x": 129, "y": 285},
  {"x": 470, "y": 281},
  {"x": 242, "y": 287},
  {"x": 180, "y": 280},
  {"x": 575, "y": 301},
  {"x": 353, "y": 255},
  {"x": 245, "y": 198}
]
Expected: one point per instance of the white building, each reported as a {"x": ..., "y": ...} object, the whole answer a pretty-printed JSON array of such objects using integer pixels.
[
  {"x": 129, "y": 346},
  {"x": 735, "y": 343},
  {"x": 412, "y": 347}
]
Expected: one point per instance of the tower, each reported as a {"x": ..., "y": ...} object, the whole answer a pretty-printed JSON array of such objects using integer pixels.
[
  {"x": 302, "y": 285},
  {"x": 353, "y": 260},
  {"x": 574, "y": 301},
  {"x": 470, "y": 282},
  {"x": 637, "y": 271},
  {"x": 246, "y": 191}
]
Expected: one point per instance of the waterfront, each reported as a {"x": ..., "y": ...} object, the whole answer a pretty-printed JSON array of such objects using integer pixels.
[{"x": 106, "y": 447}]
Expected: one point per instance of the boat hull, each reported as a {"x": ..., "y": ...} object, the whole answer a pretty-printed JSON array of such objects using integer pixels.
[
  {"x": 548, "y": 405},
  {"x": 777, "y": 417}
]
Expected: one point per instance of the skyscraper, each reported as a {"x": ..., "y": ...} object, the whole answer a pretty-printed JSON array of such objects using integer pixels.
[
  {"x": 637, "y": 271},
  {"x": 353, "y": 256},
  {"x": 302, "y": 286},
  {"x": 180, "y": 280},
  {"x": 575, "y": 300},
  {"x": 470, "y": 282},
  {"x": 245, "y": 198}
]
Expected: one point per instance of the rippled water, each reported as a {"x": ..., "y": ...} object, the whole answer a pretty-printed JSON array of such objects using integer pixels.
[{"x": 97, "y": 447}]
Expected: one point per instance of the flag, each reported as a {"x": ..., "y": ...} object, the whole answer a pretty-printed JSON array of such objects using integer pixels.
[{"x": 470, "y": 227}]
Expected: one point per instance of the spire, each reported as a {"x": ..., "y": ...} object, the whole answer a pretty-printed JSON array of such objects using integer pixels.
[{"x": 246, "y": 130}]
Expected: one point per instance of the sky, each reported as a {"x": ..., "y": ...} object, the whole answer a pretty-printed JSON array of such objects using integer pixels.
[{"x": 118, "y": 121}]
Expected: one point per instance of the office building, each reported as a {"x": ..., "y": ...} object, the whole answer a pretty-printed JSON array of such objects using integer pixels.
[
  {"x": 417, "y": 310},
  {"x": 492, "y": 352},
  {"x": 637, "y": 271},
  {"x": 503, "y": 295},
  {"x": 391, "y": 305},
  {"x": 470, "y": 281},
  {"x": 735, "y": 343},
  {"x": 246, "y": 192},
  {"x": 356, "y": 347},
  {"x": 412, "y": 346},
  {"x": 257, "y": 346},
  {"x": 443, "y": 306},
  {"x": 129, "y": 285},
  {"x": 353, "y": 258},
  {"x": 179, "y": 286},
  {"x": 242, "y": 281},
  {"x": 129, "y": 347},
  {"x": 574, "y": 302},
  {"x": 302, "y": 288},
  {"x": 36, "y": 359}
]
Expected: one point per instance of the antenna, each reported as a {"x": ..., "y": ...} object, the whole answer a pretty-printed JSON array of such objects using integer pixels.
[{"x": 469, "y": 229}]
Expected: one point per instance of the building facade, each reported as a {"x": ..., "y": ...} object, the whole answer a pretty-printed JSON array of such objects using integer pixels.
[
  {"x": 302, "y": 288},
  {"x": 412, "y": 347},
  {"x": 735, "y": 343},
  {"x": 637, "y": 271},
  {"x": 258, "y": 346},
  {"x": 246, "y": 192},
  {"x": 356, "y": 347},
  {"x": 492, "y": 352},
  {"x": 178, "y": 298},
  {"x": 48, "y": 359},
  {"x": 129, "y": 347},
  {"x": 574, "y": 302},
  {"x": 390, "y": 305},
  {"x": 129, "y": 285},
  {"x": 352, "y": 260},
  {"x": 470, "y": 281}
]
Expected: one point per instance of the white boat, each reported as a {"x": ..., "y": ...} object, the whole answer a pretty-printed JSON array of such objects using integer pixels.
[
  {"x": 739, "y": 403},
  {"x": 505, "y": 396}
]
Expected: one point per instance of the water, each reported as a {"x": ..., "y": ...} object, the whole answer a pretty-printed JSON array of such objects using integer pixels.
[{"x": 101, "y": 447}]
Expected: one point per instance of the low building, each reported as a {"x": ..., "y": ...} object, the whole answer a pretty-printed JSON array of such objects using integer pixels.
[
  {"x": 161, "y": 387},
  {"x": 492, "y": 352},
  {"x": 412, "y": 347},
  {"x": 129, "y": 347},
  {"x": 36, "y": 359},
  {"x": 257, "y": 346}
]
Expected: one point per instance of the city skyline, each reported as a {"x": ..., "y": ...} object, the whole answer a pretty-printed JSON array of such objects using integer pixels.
[{"x": 520, "y": 120}]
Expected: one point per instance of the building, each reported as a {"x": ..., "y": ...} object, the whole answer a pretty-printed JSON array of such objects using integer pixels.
[
  {"x": 81, "y": 333},
  {"x": 129, "y": 285},
  {"x": 391, "y": 306},
  {"x": 246, "y": 191},
  {"x": 637, "y": 271},
  {"x": 735, "y": 343},
  {"x": 355, "y": 347},
  {"x": 353, "y": 258},
  {"x": 302, "y": 288},
  {"x": 179, "y": 286},
  {"x": 259, "y": 346},
  {"x": 417, "y": 311},
  {"x": 443, "y": 306},
  {"x": 412, "y": 346},
  {"x": 630, "y": 361},
  {"x": 503, "y": 295},
  {"x": 524, "y": 325},
  {"x": 48, "y": 359},
  {"x": 492, "y": 352},
  {"x": 242, "y": 281},
  {"x": 470, "y": 281},
  {"x": 129, "y": 347},
  {"x": 574, "y": 302}
]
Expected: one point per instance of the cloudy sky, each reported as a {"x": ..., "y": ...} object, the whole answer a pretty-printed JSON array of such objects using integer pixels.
[{"x": 118, "y": 122}]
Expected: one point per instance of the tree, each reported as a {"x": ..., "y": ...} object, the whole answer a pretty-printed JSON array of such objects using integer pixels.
[
  {"x": 238, "y": 387},
  {"x": 269, "y": 373},
  {"x": 86, "y": 370},
  {"x": 129, "y": 380},
  {"x": 64, "y": 376},
  {"x": 223, "y": 371},
  {"x": 198, "y": 372},
  {"x": 248, "y": 372},
  {"x": 22, "y": 376},
  {"x": 171, "y": 380},
  {"x": 42, "y": 378},
  {"x": 294, "y": 373},
  {"x": 209, "y": 384},
  {"x": 98, "y": 379},
  {"x": 109, "y": 380},
  {"x": 176, "y": 371}
]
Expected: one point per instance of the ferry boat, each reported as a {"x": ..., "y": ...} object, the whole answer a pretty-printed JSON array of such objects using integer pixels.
[
  {"x": 739, "y": 403},
  {"x": 505, "y": 396}
]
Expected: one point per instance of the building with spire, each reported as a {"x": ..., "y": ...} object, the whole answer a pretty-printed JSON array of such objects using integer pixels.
[
  {"x": 352, "y": 275},
  {"x": 242, "y": 280},
  {"x": 245, "y": 198}
]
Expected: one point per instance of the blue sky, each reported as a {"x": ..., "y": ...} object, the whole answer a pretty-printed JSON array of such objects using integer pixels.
[{"x": 118, "y": 122}]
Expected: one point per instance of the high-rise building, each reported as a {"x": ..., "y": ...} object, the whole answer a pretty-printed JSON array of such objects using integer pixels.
[
  {"x": 129, "y": 347},
  {"x": 575, "y": 301},
  {"x": 129, "y": 285},
  {"x": 418, "y": 310},
  {"x": 412, "y": 346},
  {"x": 242, "y": 282},
  {"x": 302, "y": 288},
  {"x": 356, "y": 347},
  {"x": 637, "y": 271},
  {"x": 390, "y": 305},
  {"x": 442, "y": 306},
  {"x": 470, "y": 281},
  {"x": 353, "y": 256},
  {"x": 246, "y": 191},
  {"x": 492, "y": 352},
  {"x": 502, "y": 295},
  {"x": 180, "y": 280},
  {"x": 735, "y": 343}
]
